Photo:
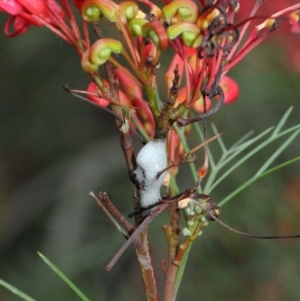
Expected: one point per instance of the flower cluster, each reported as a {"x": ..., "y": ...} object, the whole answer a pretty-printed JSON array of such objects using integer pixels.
[{"x": 205, "y": 41}]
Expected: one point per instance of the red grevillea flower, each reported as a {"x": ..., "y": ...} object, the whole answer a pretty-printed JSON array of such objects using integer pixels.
[
  {"x": 230, "y": 88},
  {"x": 21, "y": 12},
  {"x": 134, "y": 96},
  {"x": 199, "y": 104},
  {"x": 25, "y": 13},
  {"x": 14, "y": 7},
  {"x": 93, "y": 90},
  {"x": 286, "y": 35}
]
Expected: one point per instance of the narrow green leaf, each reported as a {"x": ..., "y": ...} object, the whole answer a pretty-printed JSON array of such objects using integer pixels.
[
  {"x": 15, "y": 291},
  {"x": 253, "y": 179},
  {"x": 200, "y": 135},
  {"x": 282, "y": 122},
  {"x": 240, "y": 141},
  {"x": 174, "y": 185},
  {"x": 293, "y": 128},
  {"x": 235, "y": 152},
  {"x": 186, "y": 149},
  {"x": 246, "y": 157},
  {"x": 280, "y": 166},
  {"x": 277, "y": 153},
  {"x": 219, "y": 139},
  {"x": 226, "y": 159},
  {"x": 137, "y": 125},
  {"x": 181, "y": 269},
  {"x": 64, "y": 278}
]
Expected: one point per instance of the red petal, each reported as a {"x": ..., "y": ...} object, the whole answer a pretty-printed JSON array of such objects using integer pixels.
[
  {"x": 11, "y": 7},
  {"x": 56, "y": 9},
  {"x": 34, "y": 6},
  {"x": 92, "y": 88},
  {"x": 199, "y": 105},
  {"x": 230, "y": 88},
  {"x": 20, "y": 26}
]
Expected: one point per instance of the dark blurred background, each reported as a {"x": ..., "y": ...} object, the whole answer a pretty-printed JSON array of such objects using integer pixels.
[{"x": 54, "y": 150}]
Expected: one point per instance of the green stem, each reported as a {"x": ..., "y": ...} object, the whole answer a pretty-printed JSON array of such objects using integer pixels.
[
  {"x": 181, "y": 270},
  {"x": 186, "y": 149}
]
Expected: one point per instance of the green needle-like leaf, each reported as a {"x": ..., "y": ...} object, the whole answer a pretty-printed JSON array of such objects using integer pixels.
[
  {"x": 235, "y": 152},
  {"x": 181, "y": 269},
  {"x": 200, "y": 135},
  {"x": 249, "y": 155},
  {"x": 220, "y": 140},
  {"x": 278, "y": 152},
  {"x": 64, "y": 278},
  {"x": 224, "y": 160},
  {"x": 240, "y": 141},
  {"x": 186, "y": 149},
  {"x": 255, "y": 178},
  {"x": 282, "y": 122},
  {"x": 16, "y": 291}
]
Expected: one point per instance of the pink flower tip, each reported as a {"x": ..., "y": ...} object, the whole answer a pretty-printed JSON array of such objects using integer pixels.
[
  {"x": 230, "y": 88},
  {"x": 93, "y": 89}
]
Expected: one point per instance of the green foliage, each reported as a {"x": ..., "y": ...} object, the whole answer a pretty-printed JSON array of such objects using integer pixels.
[
  {"x": 64, "y": 278},
  {"x": 16, "y": 291}
]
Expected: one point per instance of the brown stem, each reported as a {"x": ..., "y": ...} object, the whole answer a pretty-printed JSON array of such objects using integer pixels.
[
  {"x": 172, "y": 235},
  {"x": 143, "y": 248},
  {"x": 108, "y": 214},
  {"x": 146, "y": 266},
  {"x": 134, "y": 237},
  {"x": 115, "y": 212}
]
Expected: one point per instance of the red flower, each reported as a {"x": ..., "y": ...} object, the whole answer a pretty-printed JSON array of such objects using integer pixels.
[
  {"x": 230, "y": 88},
  {"x": 287, "y": 31},
  {"x": 20, "y": 12},
  {"x": 24, "y": 13},
  {"x": 15, "y": 7},
  {"x": 93, "y": 89}
]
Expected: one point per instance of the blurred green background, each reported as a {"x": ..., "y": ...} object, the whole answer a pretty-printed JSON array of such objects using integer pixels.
[{"x": 54, "y": 150}]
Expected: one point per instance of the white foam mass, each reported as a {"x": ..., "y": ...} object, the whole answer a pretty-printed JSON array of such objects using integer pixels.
[{"x": 151, "y": 160}]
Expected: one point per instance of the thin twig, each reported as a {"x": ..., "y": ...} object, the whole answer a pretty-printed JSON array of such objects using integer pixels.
[
  {"x": 72, "y": 92},
  {"x": 252, "y": 235},
  {"x": 115, "y": 212},
  {"x": 133, "y": 239},
  {"x": 204, "y": 143},
  {"x": 107, "y": 213}
]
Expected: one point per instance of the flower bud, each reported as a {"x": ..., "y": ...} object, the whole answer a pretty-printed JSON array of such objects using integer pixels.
[
  {"x": 186, "y": 9},
  {"x": 186, "y": 232},
  {"x": 189, "y": 31},
  {"x": 128, "y": 9},
  {"x": 157, "y": 33},
  {"x": 136, "y": 26},
  {"x": 92, "y": 10}
]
